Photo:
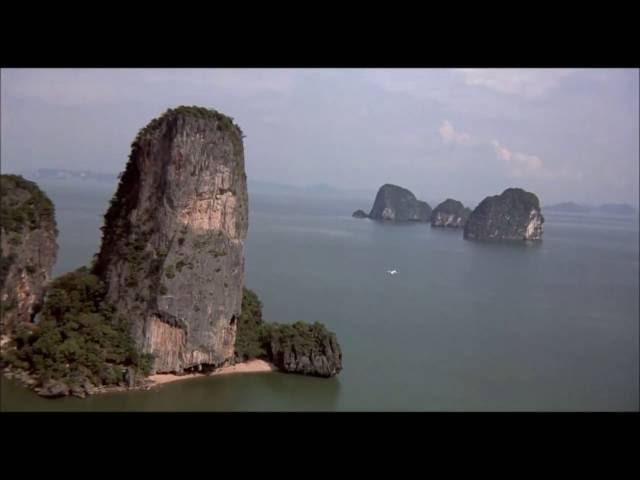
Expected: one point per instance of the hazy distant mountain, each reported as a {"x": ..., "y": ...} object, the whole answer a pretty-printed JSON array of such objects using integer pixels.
[
  {"x": 321, "y": 189},
  {"x": 269, "y": 187},
  {"x": 64, "y": 174},
  {"x": 568, "y": 207},
  {"x": 606, "y": 209},
  {"x": 617, "y": 209}
]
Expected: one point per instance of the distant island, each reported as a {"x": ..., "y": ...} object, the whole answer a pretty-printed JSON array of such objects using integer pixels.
[
  {"x": 605, "y": 209},
  {"x": 569, "y": 207},
  {"x": 317, "y": 190},
  {"x": 396, "y": 204},
  {"x": 66, "y": 174},
  {"x": 616, "y": 209},
  {"x": 515, "y": 214},
  {"x": 451, "y": 214}
]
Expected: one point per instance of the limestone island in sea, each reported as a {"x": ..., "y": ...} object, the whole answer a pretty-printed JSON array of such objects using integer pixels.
[
  {"x": 164, "y": 295},
  {"x": 396, "y": 204},
  {"x": 451, "y": 214},
  {"x": 515, "y": 214}
]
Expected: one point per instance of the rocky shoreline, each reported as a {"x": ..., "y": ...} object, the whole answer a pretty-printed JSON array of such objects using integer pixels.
[{"x": 54, "y": 389}]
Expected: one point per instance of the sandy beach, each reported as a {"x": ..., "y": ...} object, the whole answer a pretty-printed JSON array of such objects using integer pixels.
[{"x": 252, "y": 366}]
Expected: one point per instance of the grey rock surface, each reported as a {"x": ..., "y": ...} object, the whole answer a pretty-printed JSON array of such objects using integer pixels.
[{"x": 172, "y": 254}]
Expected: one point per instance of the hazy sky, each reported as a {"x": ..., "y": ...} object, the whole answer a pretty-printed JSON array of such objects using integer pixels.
[{"x": 461, "y": 133}]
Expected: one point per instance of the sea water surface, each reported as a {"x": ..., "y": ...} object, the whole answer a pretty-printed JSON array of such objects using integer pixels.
[{"x": 463, "y": 326}]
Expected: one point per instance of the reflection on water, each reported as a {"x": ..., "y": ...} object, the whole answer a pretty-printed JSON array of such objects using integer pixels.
[{"x": 242, "y": 392}]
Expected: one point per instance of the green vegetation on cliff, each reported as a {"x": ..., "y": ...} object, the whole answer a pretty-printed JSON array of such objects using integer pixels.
[
  {"x": 300, "y": 336},
  {"x": 251, "y": 330},
  {"x": 78, "y": 338},
  {"x": 225, "y": 123},
  {"x": 23, "y": 204},
  {"x": 27, "y": 249}
]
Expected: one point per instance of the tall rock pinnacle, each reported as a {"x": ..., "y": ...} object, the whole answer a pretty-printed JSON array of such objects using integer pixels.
[{"x": 172, "y": 253}]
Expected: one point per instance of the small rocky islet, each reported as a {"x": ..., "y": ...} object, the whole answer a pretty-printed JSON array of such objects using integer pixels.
[
  {"x": 165, "y": 293},
  {"x": 397, "y": 204},
  {"x": 450, "y": 214}
]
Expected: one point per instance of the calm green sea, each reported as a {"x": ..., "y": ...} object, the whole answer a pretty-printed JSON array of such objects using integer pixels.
[{"x": 462, "y": 326}]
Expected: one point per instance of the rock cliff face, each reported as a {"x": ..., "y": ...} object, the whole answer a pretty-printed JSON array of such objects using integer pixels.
[
  {"x": 173, "y": 240},
  {"x": 450, "y": 213},
  {"x": 513, "y": 215},
  {"x": 28, "y": 249},
  {"x": 397, "y": 204}
]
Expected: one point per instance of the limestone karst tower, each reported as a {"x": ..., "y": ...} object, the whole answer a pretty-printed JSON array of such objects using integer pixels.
[{"x": 172, "y": 253}]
